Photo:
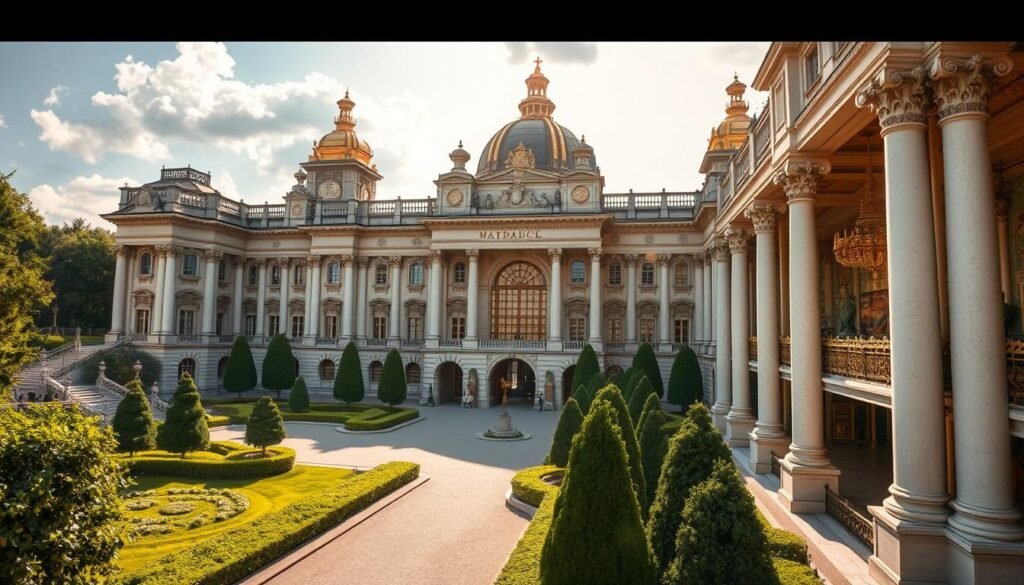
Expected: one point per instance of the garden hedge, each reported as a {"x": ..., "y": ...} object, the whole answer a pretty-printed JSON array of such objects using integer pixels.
[
  {"x": 383, "y": 422},
  {"x": 236, "y": 554},
  {"x": 523, "y": 566},
  {"x": 783, "y": 544},
  {"x": 791, "y": 573},
  {"x": 528, "y": 485},
  {"x": 224, "y": 460},
  {"x": 217, "y": 420}
]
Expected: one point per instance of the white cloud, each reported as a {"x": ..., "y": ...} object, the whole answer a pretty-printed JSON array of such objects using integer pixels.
[
  {"x": 3, "y": 123},
  {"x": 89, "y": 141},
  {"x": 54, "y": 98},
  {"x": 225, "y": 183},
  {"x": 83, "y": 197},
  {"x": 555, "y": 52}
]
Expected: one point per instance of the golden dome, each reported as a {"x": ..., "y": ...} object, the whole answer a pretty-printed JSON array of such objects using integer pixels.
[
  {"x": 343, "y": 143},
  {"x": 732, "y": 131}
]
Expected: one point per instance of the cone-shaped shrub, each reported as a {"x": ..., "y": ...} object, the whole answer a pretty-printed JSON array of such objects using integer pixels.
[
  {"x": 595, "y": 384},
  {"x": 718, "y": 522},
  {"x": 638, "y": 398},
  {"x": 583, "y": 398},
  {"x": 133, "y": 422},
  {"x": 685, "y": 385},
  {"x": 646, "y": 362},
  {"x": 692, "y": 453},
  {"x": 613, "y": 396},
  {"x": 596, "y": 536},
  {"x": 240, "y": 373},
  {"x": 265, "y": 426},
  {"x": 586, "y": 366},
  {"x": 653, "y": 444},
  {"x": 298, "y": 398},
  {"x": 569, "y": 423},
  {"x": 392, "y": 387},
  {"x": 185, "y": 427},
  {"x": 348, "y": 383},
  {"x": 279, "y": 365}
]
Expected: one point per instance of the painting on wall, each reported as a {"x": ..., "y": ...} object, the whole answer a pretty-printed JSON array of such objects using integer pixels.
[{"x": 874, "y": 314}]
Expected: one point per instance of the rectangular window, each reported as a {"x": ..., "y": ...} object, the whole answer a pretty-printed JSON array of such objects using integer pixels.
[
  {"x": 647, "y": 274},
  {"x": 275, "y": 275},
  {"x": 577, "y": 328},
  {"x": 647, "y": 330},
  {"x": 779, "y": 105},
  {"x": 250, "y": 325},
  {"x": 615, "y": 274},
  {"x": 186, "y": 320},
  {"x": 300, "y": 276},
  {"x": 459, "y": 275},
  {"x": 416, "y": 273},
  {"x": 682, "y": 275},
  {"x": 253, "y": 276},
  {"x": 577, "y": 272},
  {"x": 682, "y": 331},
  {"x": 220, "y": 323},
  {"x": 298, "y": 321},
  {"x": 380, "y": 327},
  {"x": 381, "y": 273},
  {"x": 142, "y": 321},
  {"x": 331, "y": 326},
  {"x": 458, "y": 327},
  {"x": 275, "y": 322},
  {"x": 221, "y": 271},
  {"x": 615, "y": 330},
  {"x": 190, "y": 266},
  {"x": 415, "y": 329},
  {"x": 811, "y": 67},
  {"x": 333, "y": 273}
]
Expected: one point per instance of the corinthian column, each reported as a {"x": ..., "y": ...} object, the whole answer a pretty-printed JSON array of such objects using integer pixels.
[
  {"x": 261, "y": 296},
  {"x": 723, "y": 347},
  {"x": 740, "y": 420},
  {"x": 595, "y": 295},
  {"x": 120, "y": 277},
  {"x": 698, "y": 301},
  {"x": 664, "y": 288},
  {"x": 631, "y": 261},
  {"x": 212, "y": 258},
  {"x": 313, "y": 296},
  {"x": 472, "y": 293},
  {"x": 236, "y": 301},
  {"x": 282, "y": 320},
  {"x": 394, "y": 327},
  {"x": 806, "y": 470},
  {"x": 157, "y": 323},
  {"x": 983, "y": 506},
  {"x": 170, "y": 280},
  {"x": 349, "y": 298},
  {"x": 709, "y": 301},
  {"x": 361, "y": 297},
  {"x": 555, "y": 304},
  {"x": 434, "y": 298}
]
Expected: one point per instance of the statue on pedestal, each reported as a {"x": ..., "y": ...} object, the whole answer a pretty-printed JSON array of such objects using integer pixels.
[{"x": 847, "y": 314}]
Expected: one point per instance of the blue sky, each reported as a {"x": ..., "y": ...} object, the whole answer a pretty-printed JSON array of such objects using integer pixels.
[{"x": 80, "y": 119}]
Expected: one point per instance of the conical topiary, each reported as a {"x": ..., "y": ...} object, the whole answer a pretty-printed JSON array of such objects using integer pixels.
[
  {"x": 717, "y": 522},
  {"x": 185, "y": 427},
  {"x": 638, "y": 397},
  {"x": 133, "y": 422},
  {"x": 613, "y": 396},
  {"x": 569, "y": 423},
  {"x": 596, "y": 536},
  {"x": 348, "y": 383},
  {"x": 298, "y": 398},
  {"x": 392, "y": 388},
  {"x": 653, "y": 444},
  {"x": 692, "y": 453},
  {"x": 279, "y": 365},
  {"x": 265, "y": 426},
  {"x": 646, "y": 362},
  {"x": 586, "y": 366},
  {"x": 685, "y": 385},
  {"x": 240, "y": 373},
  {"x": 583, "y": 399},
  {"x": 595, "y": 384}
]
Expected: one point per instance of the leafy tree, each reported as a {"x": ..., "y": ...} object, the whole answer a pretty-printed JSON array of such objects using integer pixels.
[
  {"x": 646, "y": 362},
  {"x": 653, "y": 445},
  {"x": 569, "y": 423},
  {"x": 586, "y": 367},
  {"x": 133, "y": 421},
  {"x": 23, "y": 291},
  {"x": 583, "y": 399},
  {"x": 240, "y": 373},
  {"x": 596, "y": 536},
  {"x": 638, "y": 397},
  {"x": 120, "y": 365},
  {"x": 613, "y": 396},
  {"x": 348, "y": 382},
  {"x": 685, "y": 385},
  {"x": 391, "y": 388},
  {"x": 718, "y": 522},
  {"x": 185, "y": 428},
  {"x": 82, "y": 264},
  {"x": 62, "y": 520},
  {"x": 298, "y": 398},
  {"x": 278, "y": 365},
  {"x": 692, "y": 453},
  {"x": 265, "y": 426}
]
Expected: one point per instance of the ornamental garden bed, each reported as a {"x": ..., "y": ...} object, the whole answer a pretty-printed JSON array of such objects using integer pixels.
[
  {"x": 354, "y": 417},
  {"x": 224, "y": 459}
]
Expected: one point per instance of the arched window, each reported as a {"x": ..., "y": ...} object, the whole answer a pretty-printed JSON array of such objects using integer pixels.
[
  {"x": 221, "y": 366},
  {"x": 296, "y": 360},
  {"x": 412, "y": 374},
  {"x": 146, "y": 263},
  {"x": 647, "y": 274},
  {"x": 326, "y": 370},
  {"x": 577, "y": 272},
  {"x": 459, "y": 273},
  {"x": 382, "y": 274},
  {"x": 682, "y": 275},
  {"x": 187, "y": 365},
  {"x": 375, "y": 370},
  {"x": 190, "y": 266},
  {"x": 519, "y": 303},
  {"x": 333, "y": 273},
  {"x": 416, "y": 273}
]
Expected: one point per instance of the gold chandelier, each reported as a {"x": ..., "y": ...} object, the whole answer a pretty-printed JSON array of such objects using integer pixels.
[{"x": 864, "y": 246}]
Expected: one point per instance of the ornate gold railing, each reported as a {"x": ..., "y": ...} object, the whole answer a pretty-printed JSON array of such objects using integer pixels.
[
  {"x": 1015, "y": 371},
  {"x": 846, "y": 514},
  {"x": 784, "y": 351},
  {"x": 864, "y": 358},
  {"x": 753, "y": 347}
]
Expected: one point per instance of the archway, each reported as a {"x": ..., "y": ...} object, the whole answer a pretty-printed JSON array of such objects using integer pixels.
[
  {"x": 448, "y": 380},
  {"x": 519, "y": 378},
  {"x": 567, "y": 382},
  {"x": 519, "y": 303}
]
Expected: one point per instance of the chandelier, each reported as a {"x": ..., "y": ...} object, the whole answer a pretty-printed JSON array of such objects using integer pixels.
[{"x": 864, "y": 246}]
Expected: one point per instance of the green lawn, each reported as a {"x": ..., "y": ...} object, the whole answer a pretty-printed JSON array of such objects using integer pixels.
[
  {"x": 265, "y": 495},
  {"x": 352, "y": 416}
]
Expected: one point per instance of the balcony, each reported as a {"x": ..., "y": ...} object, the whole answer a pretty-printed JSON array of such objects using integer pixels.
[
  {"x": 190, "y": 339},
  {"x": 531, "y": 344},
  {"x": 412, "y": 343},
  {"x": 371, "y": 342},
  {"x": 573, "y": 345},
  {"x": 326, "y": 341},
  {"x": 864, "y": 358},
  {"x": 614, "y": 347},
  {"x": 450, "y": 343}
]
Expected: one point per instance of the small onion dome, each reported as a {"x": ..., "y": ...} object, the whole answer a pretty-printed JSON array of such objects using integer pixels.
[
  {"x": 300, "y": 177},
  {"x": 459, "y": 157}
]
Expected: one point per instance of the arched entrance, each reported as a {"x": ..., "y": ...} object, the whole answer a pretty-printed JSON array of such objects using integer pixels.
[
  {"x": 567, "y": 382},
  {"x": 519, "y": 303},
  {"x": 449, "y": 383},
  {"x": 520, "y": 379}
]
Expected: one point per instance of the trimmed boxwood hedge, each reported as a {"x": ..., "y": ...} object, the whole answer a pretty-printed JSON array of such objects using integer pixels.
[
  {"x": 236, "y": 554},
  {"x": 791, "y": 573},
  {"x": 528, "y": 485},
  {"x": 783, "y": 544},
  {"x": 217, "y": 420},
  {"x": 224, "y": 460},
  {"x": 389, "y": 420},
  {"x": 365, "y": 417},
  {"x": 523, "y": 566}
]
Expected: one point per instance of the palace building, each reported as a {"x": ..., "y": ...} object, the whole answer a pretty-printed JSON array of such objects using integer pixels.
[{"x": 850, "y": 274}]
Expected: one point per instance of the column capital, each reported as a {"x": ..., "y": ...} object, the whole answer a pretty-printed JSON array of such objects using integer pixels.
[
  {"x": 283, "y": 262},
  {"x": 473, "y": 254},
  {"x": 175, "y": 251},
  {"x": 631, "y": 259},
  {"x": 346, "y": 259},
  {"x": 764, "y": 216},
  {"x": 258, "y": 261},
  {"x": 663, "y": 259},
  {"x": 555, "y": 253},
  {"x": 800, "y": 178},
  {"x": 395, "y": 261},
  {"x": 213, "y": 254},
  {"x": 595, "y": 254},
  {"x": 737, "y": 240},
  {"x": 697, "y": 259},
  {"x": 896, "y": 97},
  {"x": 962, "y": 86},
  {"x": 720, "y": 251},
  {"x": 435, "y": 256},
  {"x": 120, "y": 249},
  {"x": 362, "y": 261}
]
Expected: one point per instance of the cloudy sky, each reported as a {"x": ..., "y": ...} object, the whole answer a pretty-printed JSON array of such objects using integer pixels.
[{"x": 81, "y": 119}]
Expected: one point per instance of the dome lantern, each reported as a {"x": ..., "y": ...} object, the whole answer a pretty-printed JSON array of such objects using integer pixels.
[
  {"x": 343, "y": 143},
  {"x": 536, "y": 104}
]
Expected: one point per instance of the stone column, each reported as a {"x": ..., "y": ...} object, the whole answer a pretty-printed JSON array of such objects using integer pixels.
[
  {"x": 697, "y": 327},
  {"x": 307, "y": 305},
  {"x": 120, "y": 277},
  {"x": 806, "y": 470},
  {"x": 434, "y": 297},
  {"x": 282, "y": 320},
  {"x": 239, "y": 296},
  {"x": 394, "y": 328},
  {"x": 212, "y": 258},
  {"x": 709, "y": 300},
  {"x": 911, "y": 521},
  {"x": 1002, "y": 216},
  {"x": 156, "y": 318},
  {"x": 349, "y": 298},
  {"x": 362, "y": 299},
  {"x": 664, "y": 290},
  {"x": 170, "y": 280},
  {"x": 472, "y": 293},
  {"x": 261, "y": 297},
  {"x": 723, "y": 345},
  {"x": 631, "y": 262},
  {"x": 313, "y": 295},
  {"x": 983, "y": 508},
  {"x": 595, "y": 294},
  {"x": 768, "y": 435},
  {"x": 740, "y": 420}
]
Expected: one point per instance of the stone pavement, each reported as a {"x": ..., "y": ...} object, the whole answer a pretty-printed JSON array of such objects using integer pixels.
[{"x": 453, "y": 530}]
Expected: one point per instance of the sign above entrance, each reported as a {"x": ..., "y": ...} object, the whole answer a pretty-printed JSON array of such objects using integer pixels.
[{"x": 510, "y": 235}]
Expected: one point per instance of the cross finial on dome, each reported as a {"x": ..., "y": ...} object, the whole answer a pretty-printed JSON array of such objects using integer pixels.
[
  {"x": 538, "y": 62},
  {"x": 460, "y": 143}
]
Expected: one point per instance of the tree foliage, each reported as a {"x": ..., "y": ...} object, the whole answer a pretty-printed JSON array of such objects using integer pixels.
[
  {"x": 133, "y": 421},
  {"x": 645, "y": 361},
  {"x": 82, "y": 264},
  {"x": 62, "y": 520},
  {"x": 278, "y": 365},
  {"x": 596, "y": 383},
  {"x": 240, "y": 373},
  {"x": 120, "y": 364},
  {"x": 298, "y": 398},
  {"x": 685, "y": 385},
  {"x": 613, "y": 396},
  {"x": 586, "y": 367},
  {"x": 185, "y": 428},
  {"x": 653, "y": 445},
  {"x": 348, "y": 382},
  {"x": 638, "y": 397},
  {"x": 392, "y": 388},
  {"x": 583, "y": 399},
  {"x": 569, "y": 423},
  {"x": 265, "y": 426}
]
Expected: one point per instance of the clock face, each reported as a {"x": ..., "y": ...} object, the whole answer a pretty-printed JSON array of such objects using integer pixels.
[
  {"x": 297, "y": 210},
  {"x": 329, "y": 190},
  {"x": 455, "y": 198},
  {"x": 580, "y": 194}
]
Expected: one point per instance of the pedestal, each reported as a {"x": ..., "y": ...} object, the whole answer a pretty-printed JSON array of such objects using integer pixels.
[
  {"x": 803, "y": 487},
  {"x": 906, "y": 552},
  {"x": 718, "y": 414},
  {"x": 972, "y": 561},
  {"x": 761, "y": 449},
  {"x": 737, "y": 430}
]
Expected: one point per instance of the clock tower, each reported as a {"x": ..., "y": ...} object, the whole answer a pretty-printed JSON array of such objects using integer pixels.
[{"x": 341, "y": 164}]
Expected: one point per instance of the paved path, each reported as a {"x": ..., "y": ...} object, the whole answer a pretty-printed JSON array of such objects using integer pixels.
[{"x": 453, "y": 530}]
